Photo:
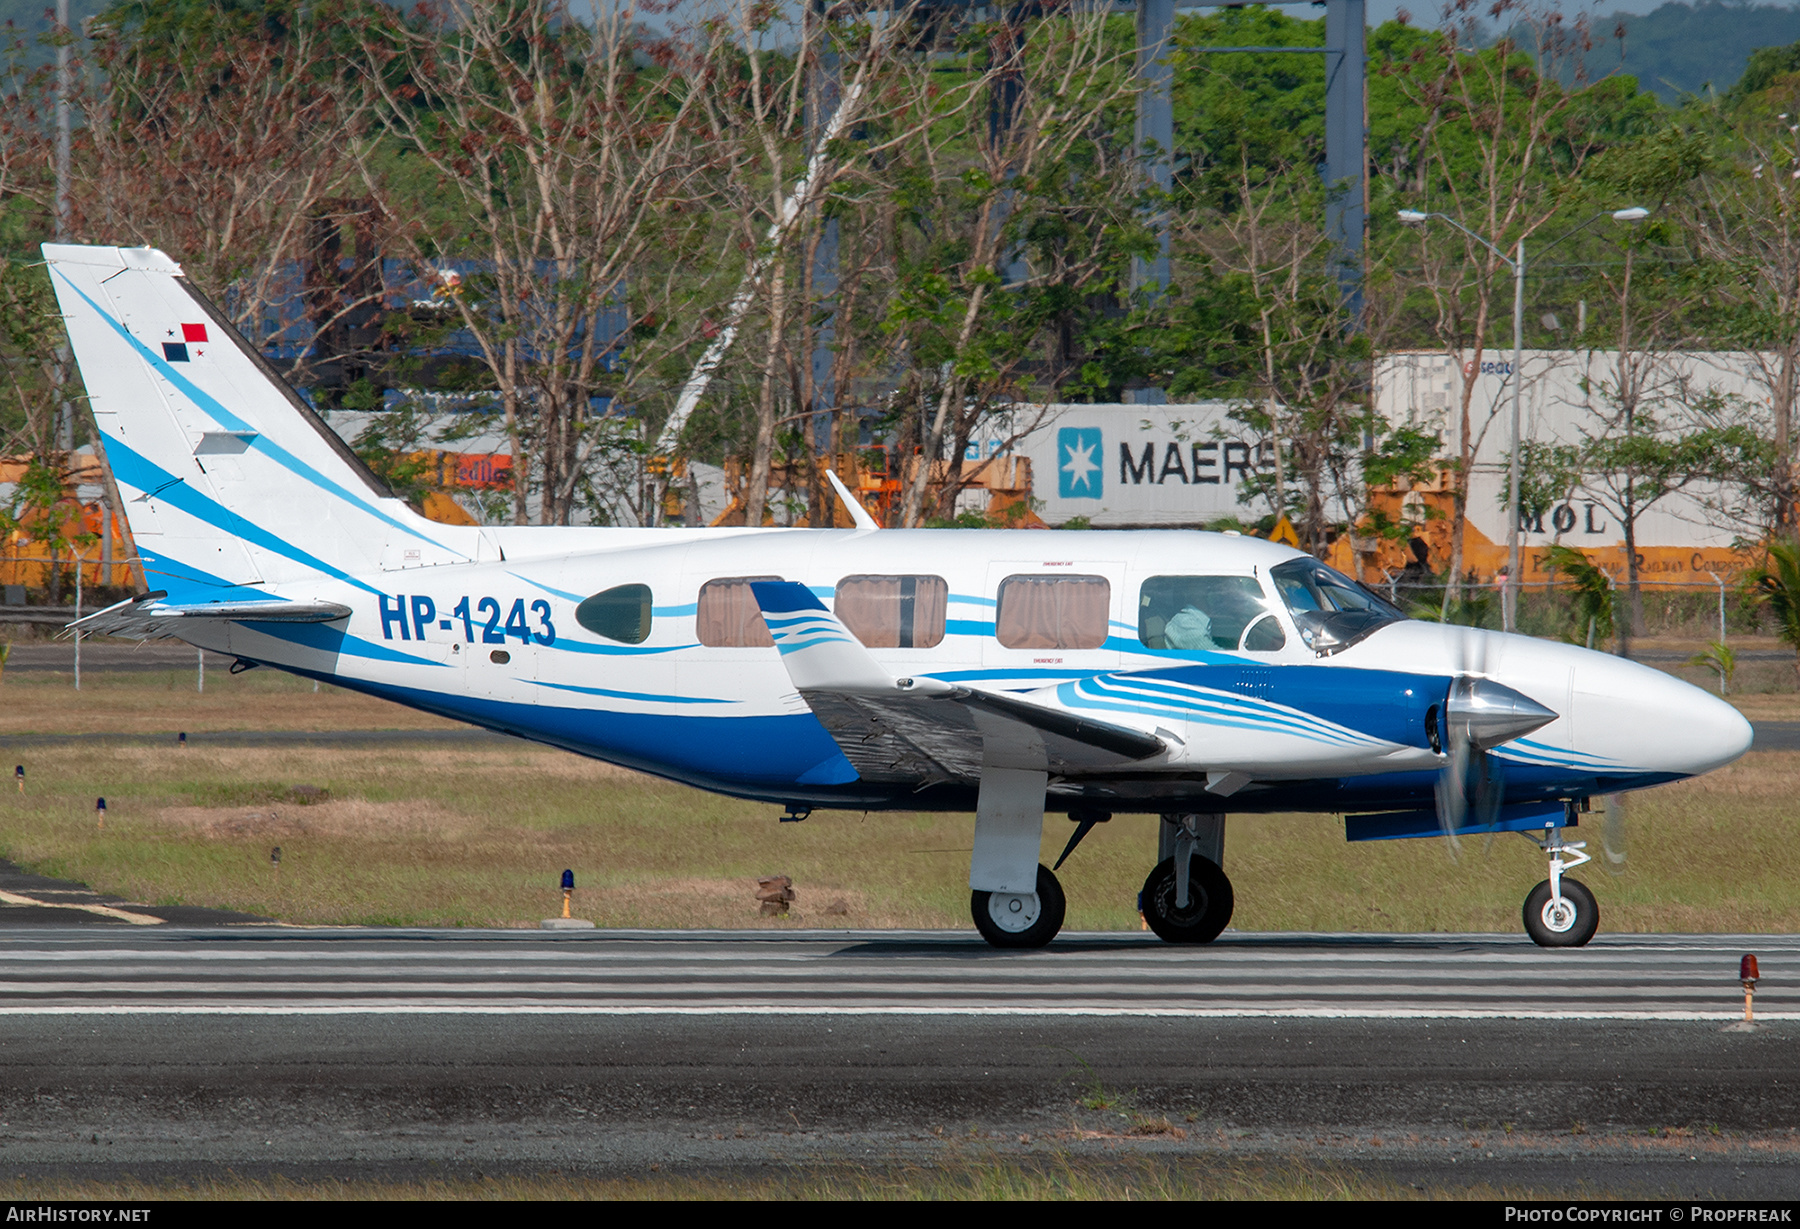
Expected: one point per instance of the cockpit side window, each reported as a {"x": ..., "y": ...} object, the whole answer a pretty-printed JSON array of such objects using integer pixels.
[
  {"x": 1207, "y": 612},
  {"x": 1331, "y": 611}
]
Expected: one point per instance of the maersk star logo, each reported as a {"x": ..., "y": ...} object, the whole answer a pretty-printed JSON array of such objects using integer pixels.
[{"x": 1079, "y": 471}]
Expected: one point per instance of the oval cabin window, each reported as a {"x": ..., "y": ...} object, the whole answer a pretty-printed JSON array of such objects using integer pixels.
[{"x": 621, "y": 613}]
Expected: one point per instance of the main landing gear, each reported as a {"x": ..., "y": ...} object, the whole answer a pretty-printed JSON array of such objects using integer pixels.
[
  {"x": 1021, "y": 919},
  {"x": 1561, "y": 912},
  {"x": 1187, "y": 898},
  {"x": 1017, "y": 902}
]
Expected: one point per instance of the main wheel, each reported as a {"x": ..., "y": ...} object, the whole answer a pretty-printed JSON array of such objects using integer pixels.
[
  {"x": 1019, "y": 919},
  {"x": 1209, "y": 906},
  {"x": 1568, "y": 923}
]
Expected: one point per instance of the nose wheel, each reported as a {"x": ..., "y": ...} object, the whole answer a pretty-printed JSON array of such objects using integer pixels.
[{"x": 1561, "y": 912}]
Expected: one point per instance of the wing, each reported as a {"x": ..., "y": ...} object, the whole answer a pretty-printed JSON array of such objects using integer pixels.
[
  {"x": 924, "y": 729},
  {"x": 143, "y": 617}
]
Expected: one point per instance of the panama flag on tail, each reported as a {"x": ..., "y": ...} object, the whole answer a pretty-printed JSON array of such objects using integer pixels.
[{"x": 236, "y": 492}]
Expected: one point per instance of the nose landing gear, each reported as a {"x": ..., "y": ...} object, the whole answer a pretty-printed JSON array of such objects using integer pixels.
[{"x": 1562, "y": 912}]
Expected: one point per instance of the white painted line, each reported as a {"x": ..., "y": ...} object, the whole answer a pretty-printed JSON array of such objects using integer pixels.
[
  {"x": 412, "y": 1007},
  {"x": 136, "y": 919}
]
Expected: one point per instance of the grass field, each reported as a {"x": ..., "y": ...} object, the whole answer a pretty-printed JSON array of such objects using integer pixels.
[
  {"x": 1051, "y": 1177},
  {"x": 419, "y": 834}
]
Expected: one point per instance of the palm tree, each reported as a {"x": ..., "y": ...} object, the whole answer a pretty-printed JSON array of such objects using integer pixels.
[
  {"x": 1776, "y": 586},
  {"x": 1594, "y": 597}
]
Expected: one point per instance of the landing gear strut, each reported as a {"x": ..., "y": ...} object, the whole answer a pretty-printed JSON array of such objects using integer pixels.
[
  {"x": 1561, "y": 912},
  {"x": 1187, "y": 898}
]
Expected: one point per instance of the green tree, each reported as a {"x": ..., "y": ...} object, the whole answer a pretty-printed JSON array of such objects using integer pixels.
[{"x": 1775, "y": 586}]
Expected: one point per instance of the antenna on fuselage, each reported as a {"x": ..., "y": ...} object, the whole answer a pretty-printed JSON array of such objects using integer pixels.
[{"x": 852, "y": 504}]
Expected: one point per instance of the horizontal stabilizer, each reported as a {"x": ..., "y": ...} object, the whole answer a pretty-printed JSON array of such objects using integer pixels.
[
  {"x": 903, "y": 728},
  {"x": 143, "y": 617}
]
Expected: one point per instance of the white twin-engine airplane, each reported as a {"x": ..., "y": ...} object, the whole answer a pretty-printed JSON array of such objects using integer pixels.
[{"x": 1189, "y": 675}]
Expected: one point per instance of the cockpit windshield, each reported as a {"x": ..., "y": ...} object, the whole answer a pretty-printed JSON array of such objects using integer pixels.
[{"x": 1332, "y": 611}]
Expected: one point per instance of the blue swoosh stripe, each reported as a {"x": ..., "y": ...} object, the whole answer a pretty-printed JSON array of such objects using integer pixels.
[
  {"x": 148, "y": 476},
  {"x": 538, "y": 584},
  {"x": 319, "y": 636},
  {"x": 795, "y": 646},
  {"x": 616, "y": 650},
  {"x": 1543, "y": 748},
  {"x": 1247, "y": 724},
  {"x": 1240, "y": 709},
  {"x": 645, "y": 697},
  {"x": 231, "y": 422},
  {"x": 1213, "y": 701}
]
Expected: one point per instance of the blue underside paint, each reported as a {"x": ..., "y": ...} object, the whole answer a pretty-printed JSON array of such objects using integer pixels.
[
  {"x": 794, "y": 760},
  {"x": 725, "y": 754},
  {"x": 1400, "y": 825}
]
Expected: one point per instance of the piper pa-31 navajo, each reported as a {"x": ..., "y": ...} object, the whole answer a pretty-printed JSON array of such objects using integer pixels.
[{"x": 1183, "y": 674}]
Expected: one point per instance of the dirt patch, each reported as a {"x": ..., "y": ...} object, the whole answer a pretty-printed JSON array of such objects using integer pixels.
[
  {"x": 690, "y": 901},
  {"x": 346, "y": 817}
]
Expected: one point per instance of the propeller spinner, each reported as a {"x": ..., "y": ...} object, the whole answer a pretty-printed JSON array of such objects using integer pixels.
[{"x": 1480, "y": 714}]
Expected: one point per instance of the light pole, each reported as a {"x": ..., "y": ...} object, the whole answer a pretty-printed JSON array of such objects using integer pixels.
[{"x": 1509, "y": 596}]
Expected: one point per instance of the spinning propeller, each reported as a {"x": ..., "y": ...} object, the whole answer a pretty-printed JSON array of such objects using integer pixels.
[{"x": 1479, "y": 715}]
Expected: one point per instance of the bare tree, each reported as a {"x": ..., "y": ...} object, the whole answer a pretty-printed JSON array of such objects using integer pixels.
[
  {"x": 1307, "y": 397},
  {"x": 1503, "y": 140},
  {"x": 1001, "y": 210},
  {"x": 565, "y": 156},
  {"x": 1747, "y": 227},
  {"x": 218, "y": 137}
]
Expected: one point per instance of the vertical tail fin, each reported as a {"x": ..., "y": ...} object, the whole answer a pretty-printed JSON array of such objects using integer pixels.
[{"x": 229, "y": 480}]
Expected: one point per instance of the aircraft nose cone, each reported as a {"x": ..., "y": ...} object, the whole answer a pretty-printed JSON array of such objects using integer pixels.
[
  {"x": 1639, "y": 717},
  {"x": 1720, "y": 732},
  {"x": 1487, "y": 713}
]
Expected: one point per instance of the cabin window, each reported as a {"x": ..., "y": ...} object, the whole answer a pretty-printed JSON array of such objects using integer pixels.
[
  {"x": 1207, "y": 612},
  {"x": 621, "y": 613},
  {"x": 893, "y": 612},
  {"x": 1053, "y": 612},
  {"x": 728, "y": 616}
]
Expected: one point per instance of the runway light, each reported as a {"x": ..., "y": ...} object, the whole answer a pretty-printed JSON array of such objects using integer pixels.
[
  {"x": 275, "y": 857},
  {"x": 1748, "y": 974},
  {"x": 568, "y": 886},
  {"x": 19, "y": 776},
  {"x": 181, "y": 739},
  {"x": 100, "y": 812}
]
